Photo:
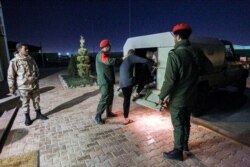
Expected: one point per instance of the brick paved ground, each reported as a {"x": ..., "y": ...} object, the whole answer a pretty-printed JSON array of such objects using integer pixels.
[{"x": 71, "y": 138}]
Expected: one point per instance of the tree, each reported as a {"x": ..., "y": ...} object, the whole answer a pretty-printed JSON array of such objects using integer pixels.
[{"x": 83, "y": 66}]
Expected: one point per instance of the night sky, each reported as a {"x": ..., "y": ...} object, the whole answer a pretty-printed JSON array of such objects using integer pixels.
[{"x": 58, "y": 24}]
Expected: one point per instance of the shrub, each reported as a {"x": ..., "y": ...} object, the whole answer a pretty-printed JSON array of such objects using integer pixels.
[
  {"x": 72, "y": 67},
  {"x": 83, "y": 63}
]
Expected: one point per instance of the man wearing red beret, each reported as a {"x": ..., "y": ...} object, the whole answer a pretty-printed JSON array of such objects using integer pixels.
[
  {"x": 178, "y": 88},
  {"x": 105, "y": 79}
]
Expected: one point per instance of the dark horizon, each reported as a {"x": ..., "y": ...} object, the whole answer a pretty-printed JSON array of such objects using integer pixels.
[{"x": 59, "y": 29}]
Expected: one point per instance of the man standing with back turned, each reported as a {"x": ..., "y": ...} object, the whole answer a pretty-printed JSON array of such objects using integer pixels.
[
  {"x": 105, "y": 79},
  {"x": 179, "y": 87}
]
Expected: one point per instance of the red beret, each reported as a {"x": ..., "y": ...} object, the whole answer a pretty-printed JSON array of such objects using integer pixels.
[
  {"x": 182, "y": 26},
  {"x": 104, "y": 43}
]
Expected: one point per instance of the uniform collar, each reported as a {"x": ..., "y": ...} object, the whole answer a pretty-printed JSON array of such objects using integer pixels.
[
  {"x": 182, "y": 43},
  {"x": 19, "y": 56}
]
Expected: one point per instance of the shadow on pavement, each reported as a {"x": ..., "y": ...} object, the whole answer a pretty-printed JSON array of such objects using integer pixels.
[
  {"x": 228, "y": 113},
  {"x": 73, "y": 102},
  {"x": 224, "y": 103},
  {"x": 16, "y": 135},
  {"x": 46, "y": 89}
]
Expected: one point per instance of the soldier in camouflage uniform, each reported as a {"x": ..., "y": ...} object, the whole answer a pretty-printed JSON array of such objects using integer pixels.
[
  {"x": 23, "y": 76},
  {"x": 105, "y": 79}
]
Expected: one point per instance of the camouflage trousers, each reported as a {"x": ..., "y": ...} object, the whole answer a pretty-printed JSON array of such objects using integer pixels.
[{"x": 26, "y": 95}]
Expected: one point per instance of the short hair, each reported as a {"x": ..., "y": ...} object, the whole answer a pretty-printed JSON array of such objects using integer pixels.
[
  {"x": 184, "y": 34},
  {"x": 131, "y": 52},
  {"x": 19, "y": 46}
]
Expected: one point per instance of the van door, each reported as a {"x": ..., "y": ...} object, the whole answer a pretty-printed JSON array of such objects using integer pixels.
[{"x": 162, "y": 62}]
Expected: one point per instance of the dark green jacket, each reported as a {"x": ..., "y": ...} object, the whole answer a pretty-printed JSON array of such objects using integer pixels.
[
  {"x": 105, "y": 69},
  {"x": 181, "y": 75}
]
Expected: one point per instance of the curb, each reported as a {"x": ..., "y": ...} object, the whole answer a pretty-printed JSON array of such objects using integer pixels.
[
  {"x": 8, "y": 103},
  {"x": 6, "y": 124},
  {"x": 64, "y": 84}
]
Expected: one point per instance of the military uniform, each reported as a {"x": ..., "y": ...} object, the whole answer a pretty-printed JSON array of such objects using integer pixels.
[
  {"x": 23, "y": 75},
  {"x": 180, "y": 82},
  {"x": 105, "y": 80}
]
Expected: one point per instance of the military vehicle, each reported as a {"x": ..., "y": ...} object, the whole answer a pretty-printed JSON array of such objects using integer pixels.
[{"x": 227, "y": 69}]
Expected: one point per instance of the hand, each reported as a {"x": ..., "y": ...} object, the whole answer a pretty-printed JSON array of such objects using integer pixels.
[
  {"x": 12, "y": 90},
  {"x": 164, "y": 102},
  {"x": 161, "y": 102}
]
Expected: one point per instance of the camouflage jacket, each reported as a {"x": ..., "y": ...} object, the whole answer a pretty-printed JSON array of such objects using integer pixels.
[{"x": 23, "y": 73}]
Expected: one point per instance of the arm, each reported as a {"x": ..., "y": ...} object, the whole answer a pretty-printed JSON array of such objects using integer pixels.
[
  {"x": 136, "y": 59},
  {"x": 170, "y": 76},
  {"x": 36, "y": 68},
  {"x": 105, "y": 59},
  {"x": 12, "y": 77}
]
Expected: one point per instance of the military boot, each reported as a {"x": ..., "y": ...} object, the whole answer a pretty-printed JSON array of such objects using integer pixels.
[
  {"x": 99, "y": 120},
  {"x": 109, "y": 113},
  {"x": 27, "y": 119},
  {"x": 175, "y": 154},
  {"x": 39, "y": 115}
]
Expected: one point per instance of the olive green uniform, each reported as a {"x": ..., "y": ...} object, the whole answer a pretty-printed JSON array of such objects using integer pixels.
[
  {"x": 23, "y": 75},
  {"x": 180, "y": 82},
  {"x": 105, "y": 80}
]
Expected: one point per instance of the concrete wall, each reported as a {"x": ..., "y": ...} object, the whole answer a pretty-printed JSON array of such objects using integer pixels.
[{"x": 4, "y": 54}]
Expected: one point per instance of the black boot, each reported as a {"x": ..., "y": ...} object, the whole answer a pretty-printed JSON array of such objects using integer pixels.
[
  {"x": 110, "y": 114},
  {"x": 39, "y": 115},
  {"x": 27, "y": 119},
  {"x": 99, "y": 120},
  {"x": 174, "y": 154},
  {"x": 109, "y": 111}
]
